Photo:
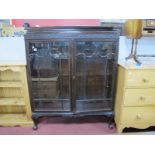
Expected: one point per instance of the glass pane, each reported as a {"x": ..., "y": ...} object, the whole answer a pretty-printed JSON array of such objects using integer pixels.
[
  {"x": 50, "y": 71},
  {"x": 94, "y": 69}
]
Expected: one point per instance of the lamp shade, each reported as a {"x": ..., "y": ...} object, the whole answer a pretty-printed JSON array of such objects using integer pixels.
[{"x": 133, "y": 28}]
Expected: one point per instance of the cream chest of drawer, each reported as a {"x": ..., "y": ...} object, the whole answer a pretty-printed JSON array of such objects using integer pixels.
[{"x": 135, "y": 96}]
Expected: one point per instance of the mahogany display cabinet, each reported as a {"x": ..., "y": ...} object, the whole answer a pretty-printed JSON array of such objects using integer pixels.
[{"x": 72, "y": 70}]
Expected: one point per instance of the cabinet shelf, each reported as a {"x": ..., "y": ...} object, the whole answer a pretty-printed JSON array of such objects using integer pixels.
[
  {"x": 45, "y": 79},
  {"x": 15, "y": 120},
  {"x": 12, "y": 102},
  {"x": 10, "y": 84},
  {"x": 104, "y": 74}
]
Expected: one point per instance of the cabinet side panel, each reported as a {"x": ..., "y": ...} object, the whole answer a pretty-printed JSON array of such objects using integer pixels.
[{"x": 119, "y": 93}]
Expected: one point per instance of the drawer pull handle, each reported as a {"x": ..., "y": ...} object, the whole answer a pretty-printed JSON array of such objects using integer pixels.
[
  {"x": 139, "y": 117},
  {"x": 142, "y": 98},
  {"x": 145, "y": 80}
]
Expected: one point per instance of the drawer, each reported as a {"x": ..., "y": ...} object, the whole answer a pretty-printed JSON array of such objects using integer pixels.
[
  {"x": 134, "y": 115},
  {"x": 140, "y": 78},
  {"x": 139, "y": 97}
]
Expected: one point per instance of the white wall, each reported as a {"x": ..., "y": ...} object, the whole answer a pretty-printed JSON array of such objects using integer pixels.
[
  {"x": 146, "y": 45},
  {"x": 12, "y": 50}
]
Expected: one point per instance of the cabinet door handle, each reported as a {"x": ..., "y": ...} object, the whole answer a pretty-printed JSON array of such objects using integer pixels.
[{"x": 73, "y": 77}]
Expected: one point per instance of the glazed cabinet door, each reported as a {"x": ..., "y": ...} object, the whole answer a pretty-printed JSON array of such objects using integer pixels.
[
  {"x": 50, "y": 67},
  {"x": 94, "y": 74}
]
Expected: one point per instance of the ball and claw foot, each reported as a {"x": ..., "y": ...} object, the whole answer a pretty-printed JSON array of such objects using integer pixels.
[
  {"x": 35, "y": 127},
  {"x": 111, "y": 126}
]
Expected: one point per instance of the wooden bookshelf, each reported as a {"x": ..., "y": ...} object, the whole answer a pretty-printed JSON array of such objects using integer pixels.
[{"x": 15, "y": 107}]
